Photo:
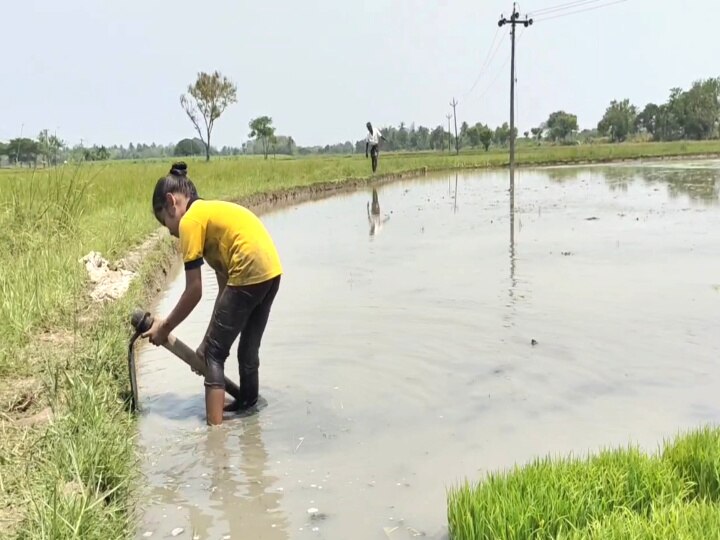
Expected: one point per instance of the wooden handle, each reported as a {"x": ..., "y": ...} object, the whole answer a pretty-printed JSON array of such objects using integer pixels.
[{"x": 142, "y": 322}]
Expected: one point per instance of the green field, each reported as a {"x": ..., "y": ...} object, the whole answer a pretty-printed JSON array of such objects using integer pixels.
[
  {"x": 73, "y": 477},
  {"x": 617, "y": 494}
]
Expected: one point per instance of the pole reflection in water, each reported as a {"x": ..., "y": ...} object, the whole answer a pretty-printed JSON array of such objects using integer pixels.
[
  {"x": 512, "y": 232},
  {"x": 455, "y": 198},
  {"x": 511, "y": 252}
]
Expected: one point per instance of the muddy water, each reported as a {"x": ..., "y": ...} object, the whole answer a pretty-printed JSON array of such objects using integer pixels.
[{"x": 399, "y": 358}]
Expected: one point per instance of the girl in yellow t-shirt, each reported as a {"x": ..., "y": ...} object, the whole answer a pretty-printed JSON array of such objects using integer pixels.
[{"x": 235, "y": 243}]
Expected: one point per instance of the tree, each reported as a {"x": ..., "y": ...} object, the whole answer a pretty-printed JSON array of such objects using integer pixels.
[
  {"x": 473, "y": 136},
  {"x": 699, "y": 109},
  {"x": 670, "y": 116},
  {"x": 261, "y": 128},
  {"x": 438, "y": 138},
  {"x": 561, "y": 125},
  {"x": 647, "y": 120},
  {"x": 537, "y": 132},
  {"x": 189, "y": 147},
  {"x": 486, "y": 136},
  {"x": 502, "y": 134},
  {"x": 464, "y": 135},
  {"x": 96, "y": 154},
  {"x": 619, "y": 120},
  {"x": 49, "y": 146},
  {"x": 22, "y": 150},
  {"x": 422, "y": 138},
  {"x": 208, "y": 98},
  {"x": 401, "y": 137}
]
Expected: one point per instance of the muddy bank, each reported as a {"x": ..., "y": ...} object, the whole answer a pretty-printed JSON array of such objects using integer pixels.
[{"x": 279, "y": 199}]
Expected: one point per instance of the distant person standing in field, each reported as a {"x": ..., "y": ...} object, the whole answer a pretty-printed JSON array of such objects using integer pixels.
[{"x": 371, "y": 142}]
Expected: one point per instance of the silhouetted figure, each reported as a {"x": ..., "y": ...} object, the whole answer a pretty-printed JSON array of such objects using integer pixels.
[{"x": 372, "y": 142}]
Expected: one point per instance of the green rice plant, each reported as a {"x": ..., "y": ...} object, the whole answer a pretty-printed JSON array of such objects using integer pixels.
[
  {"x": 696, "y": 459},
  {"x": 553, "y": 496},
  {"x": 696, "y": 521},
  {"x": 620, "y": 493}
]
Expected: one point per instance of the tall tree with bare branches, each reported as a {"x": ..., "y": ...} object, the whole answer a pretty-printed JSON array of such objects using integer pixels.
[{"x": 205, "y": 102}]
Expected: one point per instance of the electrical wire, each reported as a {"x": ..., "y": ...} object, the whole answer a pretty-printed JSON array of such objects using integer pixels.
[
  {"x": 502, "y": 68},
  {"x": 563, "y": 7},
  {"x": 492, "y": 52},
  {"x": 567, "y": 14}
]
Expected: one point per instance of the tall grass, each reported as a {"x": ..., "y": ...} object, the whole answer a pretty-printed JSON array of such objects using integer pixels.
[
  {"x": 40, "y": 217},
  {"x": 74, "y": 478},
  {"x": 617, "y": 494}
]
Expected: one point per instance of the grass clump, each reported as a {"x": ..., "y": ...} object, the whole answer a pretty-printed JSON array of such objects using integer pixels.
[
  {"x": 693, "y": 521},
  {"x": 75, "y": 477},
  {"x": 620, "y": 493},
  {"x": 696, "y": 458}
]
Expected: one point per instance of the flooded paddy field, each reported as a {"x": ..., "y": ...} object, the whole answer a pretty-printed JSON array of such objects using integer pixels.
[{"x": 453, "y": 334}]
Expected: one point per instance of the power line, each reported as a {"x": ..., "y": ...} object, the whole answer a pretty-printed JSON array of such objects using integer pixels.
[
  {"x": 500, "y": 69},
  {"x": 495, "y": 54},
  {"x": 561, "y": 7},
  {"x": 567, "y": 14},
  {"x": 496, "y": 78},
  {"x": 492, "y": 52}
]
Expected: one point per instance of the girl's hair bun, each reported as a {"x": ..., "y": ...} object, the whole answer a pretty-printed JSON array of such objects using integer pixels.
[{"x": 179, "y": 168}]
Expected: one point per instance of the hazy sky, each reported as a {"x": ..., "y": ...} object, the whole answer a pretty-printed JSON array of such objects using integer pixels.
[{"x": 112, "y": 72}]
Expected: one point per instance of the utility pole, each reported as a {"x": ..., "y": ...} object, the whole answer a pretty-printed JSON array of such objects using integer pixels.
[
  {"x": 449, "y": 116},
  {"x": 453, "y": 104},
  {"x": 17, "y": 154},
  {"x": 513, "y": 22}
]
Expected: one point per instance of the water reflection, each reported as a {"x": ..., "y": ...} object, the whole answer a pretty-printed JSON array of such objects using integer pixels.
[
  {"x": 511, "y": 251},
  {"x": 698, "y": 183},
  {"x": 513, "y": 282},
  {"x": 240, "y": 487},
  {"x": 375, "y": 219},
  {"x": 455, "y": 197}
]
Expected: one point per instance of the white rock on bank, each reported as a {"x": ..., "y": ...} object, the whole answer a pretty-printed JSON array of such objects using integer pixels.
[{"x": 109, "y": 283}]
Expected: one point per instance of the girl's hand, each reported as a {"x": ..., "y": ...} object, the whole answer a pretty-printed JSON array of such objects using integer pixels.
[{"x": 158, "y": 333}]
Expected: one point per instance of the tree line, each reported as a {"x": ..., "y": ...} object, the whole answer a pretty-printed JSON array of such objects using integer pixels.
[{"x": 692, "y": 114}]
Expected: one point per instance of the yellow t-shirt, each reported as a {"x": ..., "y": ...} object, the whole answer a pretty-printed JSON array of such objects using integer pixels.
[{"x": 232, "y": 240}]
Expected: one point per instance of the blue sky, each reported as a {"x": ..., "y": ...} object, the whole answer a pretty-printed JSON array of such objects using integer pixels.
[{"x": 113, "y": 72}]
